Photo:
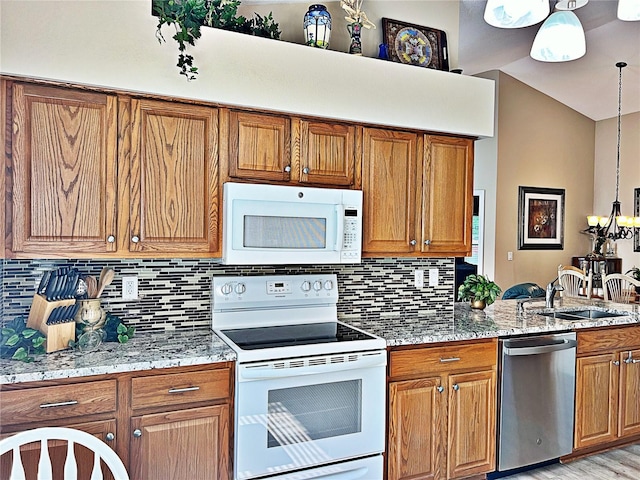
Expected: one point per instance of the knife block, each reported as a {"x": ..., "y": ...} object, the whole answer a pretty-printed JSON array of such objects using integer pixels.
[{"x": 58, "y": 335}]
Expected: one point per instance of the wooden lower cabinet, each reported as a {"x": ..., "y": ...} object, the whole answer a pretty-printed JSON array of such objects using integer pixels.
[
  {"x": 607, "y": 387},
  {"x": 171, "y": 423},
  {"x": 442, "y": 424},
  {"x": 184, "y": 444}
]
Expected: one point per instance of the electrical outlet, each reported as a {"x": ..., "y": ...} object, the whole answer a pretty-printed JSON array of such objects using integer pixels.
[
  {"x": 433, "y": 277},
  {"x": 130, "y": 288},
  {"x": 418, "y": 278}
]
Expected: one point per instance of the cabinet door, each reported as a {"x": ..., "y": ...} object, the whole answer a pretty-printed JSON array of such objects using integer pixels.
[
  {"x": 417, "y": 410},
  {"x": 597, "y": 378},
  {"x": 472, "y": 423},
  {"x": 181, "y": 445},
  {"x": 447, "y": 201},
  {"x": 173, "y": 178},
  {"x": 389, "y": 186},
  {"x": 105, "y": 430},
  {"x": 64, "y": 171},
  {"x": 327, "y": 153},
  {"x": 629, "y": 410},
  {"x": 259, "y": 146}
]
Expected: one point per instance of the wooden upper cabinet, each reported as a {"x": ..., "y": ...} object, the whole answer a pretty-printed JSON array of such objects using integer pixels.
[
  {"x": 174, "y": 192},
  {"x": 389, "y": 185},
  {"x": 324, "y": 153},
  {"x": 259, "y": 146},
  {"x": 63, "y": 167},
  {"x": 447, "y": 195}
]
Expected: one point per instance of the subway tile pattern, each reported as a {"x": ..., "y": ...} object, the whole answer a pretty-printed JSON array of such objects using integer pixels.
[{"x": 174, "y": 293}]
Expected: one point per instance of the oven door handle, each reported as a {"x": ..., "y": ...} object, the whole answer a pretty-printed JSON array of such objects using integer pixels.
[
  {"x": 348, "y": 475},
  {"x": 262, "y": 371}
]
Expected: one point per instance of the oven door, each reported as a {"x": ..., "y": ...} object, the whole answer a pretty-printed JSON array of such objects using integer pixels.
[{"x": 298, "y": 413}]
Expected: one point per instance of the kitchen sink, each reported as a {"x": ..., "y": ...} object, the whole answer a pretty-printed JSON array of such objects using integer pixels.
[{"x": 576, "y": 315}]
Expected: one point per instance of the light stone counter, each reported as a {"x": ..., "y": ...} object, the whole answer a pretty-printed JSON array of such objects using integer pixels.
[
  {"x": 152, "y": 351},
  {"x": 142, "y": 352}
]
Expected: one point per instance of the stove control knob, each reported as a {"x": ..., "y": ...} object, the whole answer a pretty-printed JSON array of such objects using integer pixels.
[
  {"x": 226, "y": 289},
  {"x": 328, "y": 285},
  {"x": 306, "y": 286},
  {"x": 241, "y": 288},
  {"x": 317, "y": 285}
]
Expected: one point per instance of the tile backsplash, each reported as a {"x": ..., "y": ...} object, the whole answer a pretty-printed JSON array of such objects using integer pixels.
[{"x": 174, "y": 293}]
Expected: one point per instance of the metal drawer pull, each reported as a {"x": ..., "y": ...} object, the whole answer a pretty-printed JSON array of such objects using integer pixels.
[
  {"x": 182, "y": 390},
  {"x": 452, "y": 359},
  {"x": 59, "y": 404}
]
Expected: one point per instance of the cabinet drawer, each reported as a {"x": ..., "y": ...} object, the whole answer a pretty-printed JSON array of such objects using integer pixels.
[
  {"x": 608, "y": 339},
  {"x": 57, "y": 402},
  {"x": 179, "y": 388},
  {"x": 447, "y": 358}
]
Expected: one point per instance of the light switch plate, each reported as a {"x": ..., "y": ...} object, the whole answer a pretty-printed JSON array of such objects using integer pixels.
[{"x": 433, "y": 277}]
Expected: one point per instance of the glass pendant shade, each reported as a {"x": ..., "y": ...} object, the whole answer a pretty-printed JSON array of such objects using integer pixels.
[
  {"x": 560, "y": 39},
  {"x": 317, "y": 26},
  {"x": 629, "y": 10},
  {"x": 515, "y": 13}
]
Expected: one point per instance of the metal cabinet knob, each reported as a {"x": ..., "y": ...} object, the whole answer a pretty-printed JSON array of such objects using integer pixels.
[
  {"x": 440, "y": 389},
  {"x": 287, "y": 168},
  {"x": 616, "y": 362},
  {"x": 427, "y": 242},
  {"x": 109, "y": 437},
  {"x": 137, "y": 433},
  {"x": 456, "y": 387},
  {"x": 412, "y": 242},
  {"x": 305, "y": 170},
  {"x": 111, "y": 239},
  {"x": 135, "y": 239}
]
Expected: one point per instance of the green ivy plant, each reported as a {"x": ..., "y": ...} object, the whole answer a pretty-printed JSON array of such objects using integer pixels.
[
  {"x": 187, "y": 16},
  {"x": 18, "y": 342},
  {"x": 478, "y": 287}
]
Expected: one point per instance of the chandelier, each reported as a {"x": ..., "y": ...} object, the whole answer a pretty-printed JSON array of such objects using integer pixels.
[
  {"x": 616, "y": 226},
  {"x": 561, "y": 37}
]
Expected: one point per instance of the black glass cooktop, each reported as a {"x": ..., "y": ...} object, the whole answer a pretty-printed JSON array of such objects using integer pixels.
[{"x": 290, "y": 335}]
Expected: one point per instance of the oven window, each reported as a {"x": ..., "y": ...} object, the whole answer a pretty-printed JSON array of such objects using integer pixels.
[
  {"x": 284, "y": 232},
  {"x": 312, "y": 412}
]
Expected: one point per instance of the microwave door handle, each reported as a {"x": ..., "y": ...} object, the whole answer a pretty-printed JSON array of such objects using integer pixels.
[
  {"x": 339, "y": 227},
  {"x": 348, "y": 475}
]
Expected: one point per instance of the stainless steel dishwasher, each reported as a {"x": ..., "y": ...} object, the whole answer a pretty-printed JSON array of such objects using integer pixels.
[{"x": 537, "y": 385}]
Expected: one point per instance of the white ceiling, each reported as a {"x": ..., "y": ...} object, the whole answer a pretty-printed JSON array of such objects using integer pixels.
[{"x": 589, "y": 85}]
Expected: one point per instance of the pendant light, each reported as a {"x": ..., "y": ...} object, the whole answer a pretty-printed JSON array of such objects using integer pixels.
[
  {"x": 616, "y": 226},
  {"x": 560, "y": 38},
  {"x": 515, "y": 13},
  {"x": 629, "y": 10}
]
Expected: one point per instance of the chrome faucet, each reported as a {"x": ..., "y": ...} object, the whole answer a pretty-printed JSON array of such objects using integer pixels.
[{"x": 551, "y": 293}]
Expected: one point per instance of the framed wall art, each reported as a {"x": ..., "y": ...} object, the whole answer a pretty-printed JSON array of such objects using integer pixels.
[
  {"x": 636, "y": 212},
  {"x": 415, "y": 44},
  {"x": 540, "y": 218}
]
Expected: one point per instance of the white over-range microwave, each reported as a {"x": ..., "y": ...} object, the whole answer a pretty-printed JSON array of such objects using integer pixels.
[{"x": 273, "y": 224}]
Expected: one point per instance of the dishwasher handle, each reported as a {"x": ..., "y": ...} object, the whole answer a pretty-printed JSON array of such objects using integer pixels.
[{"x": 564, "y": 344}]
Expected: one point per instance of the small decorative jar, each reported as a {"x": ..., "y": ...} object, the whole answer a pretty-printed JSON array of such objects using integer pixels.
[
  {"x": 355, "y": 47},
  {"x": 317, "y": 26}
]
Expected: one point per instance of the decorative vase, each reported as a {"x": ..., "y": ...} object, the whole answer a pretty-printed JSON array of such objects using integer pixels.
[
  {"x": 478, "y": 304},
  {"x": 91, "y": 317},
  {"x": 355, "y": 30},
  {"x": 317, "y": 26}
]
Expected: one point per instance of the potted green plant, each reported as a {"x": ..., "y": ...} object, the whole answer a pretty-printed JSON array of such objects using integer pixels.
[
  {"x": 635, "y": 273},
  {"x": 479, "y": 290},
  {"x": 187, "y": 16}
]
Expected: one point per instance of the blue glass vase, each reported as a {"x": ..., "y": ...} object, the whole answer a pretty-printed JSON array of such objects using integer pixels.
[{"x": 317, "y": 26}]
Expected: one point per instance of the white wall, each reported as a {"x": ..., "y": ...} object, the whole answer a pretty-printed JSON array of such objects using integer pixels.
[{"x": 113, "y": 44}]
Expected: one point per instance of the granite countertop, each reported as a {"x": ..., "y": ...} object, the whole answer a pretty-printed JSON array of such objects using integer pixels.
[
  {"x": 142, "y": 352},
  {"x": 182, "y": 348}
]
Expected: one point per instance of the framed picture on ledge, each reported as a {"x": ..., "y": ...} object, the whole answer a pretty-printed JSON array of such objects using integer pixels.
[
  {"x": 540, "y": 218},
  {"x": 415, "y": 44}
]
